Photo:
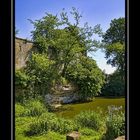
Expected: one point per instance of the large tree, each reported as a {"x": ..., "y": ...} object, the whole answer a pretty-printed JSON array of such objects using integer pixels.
[
  {"x": 65, "y": 40},
  {"x": 114, "y": 47},
  {"x": 65, "y": 43},
  {"x": 116, "y": 32},
  {"x": 114, "y": 44}
]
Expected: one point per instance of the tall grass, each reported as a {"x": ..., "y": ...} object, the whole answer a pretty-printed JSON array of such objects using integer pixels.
[
  {"x": 115, "y": 124},
  {"x": 33, "y": 121},
  {"x": 50, "y": 122},
  {"x": 89, "y": 119}
]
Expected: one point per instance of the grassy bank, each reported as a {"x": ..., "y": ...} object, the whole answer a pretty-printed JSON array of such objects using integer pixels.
[{"x": 34, "y": 122}]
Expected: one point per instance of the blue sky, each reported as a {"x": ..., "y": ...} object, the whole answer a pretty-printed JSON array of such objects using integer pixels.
[{"x": 93, "y": 11}]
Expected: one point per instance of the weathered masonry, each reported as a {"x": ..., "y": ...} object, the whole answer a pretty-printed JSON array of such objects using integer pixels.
[{"x": 23, "y": 50}]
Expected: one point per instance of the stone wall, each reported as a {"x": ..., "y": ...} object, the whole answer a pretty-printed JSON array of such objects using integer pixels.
[
  {"x": 60, "y": 94},
  {"x": 23, "y": 50}
]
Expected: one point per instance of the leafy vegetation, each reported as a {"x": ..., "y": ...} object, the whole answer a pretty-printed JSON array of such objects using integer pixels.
[
  {"x": 115, "y": 126},
  {"x": 114, "y": 47},
  {"x": 21, "y": 85},
  {"x": 87, "y": 76},
  {"x": 91, "y": 125},
  {"x": 49, "y": 122},
  {"x": 62, "y": 58},
  {"x": 114, "y": 86},
  {"x": 89, "y": 119}
]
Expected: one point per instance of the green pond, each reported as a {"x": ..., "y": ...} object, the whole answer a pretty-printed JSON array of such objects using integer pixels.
[{"x": 70, "y": 110}]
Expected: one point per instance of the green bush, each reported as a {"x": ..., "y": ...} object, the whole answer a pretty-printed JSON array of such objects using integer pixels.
[
  {"x": 114, "y": 86},
  {"x": 20, "y": 110},
  {"x": 35, "y": 107},
  {"x": 21, "y": 79},
  {"x": 21, "y": 85},
  {"x": 115, "y": 126},
  {"x": 49, "y": 122},
  {"x": 87, "y": 76},
  {"x": 89, "y": 119},
  {"x": 37, "y": 127},
  {"x": 57, "y": 124}
]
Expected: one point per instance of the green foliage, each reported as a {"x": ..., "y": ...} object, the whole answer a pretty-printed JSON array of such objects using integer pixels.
[
  {"x": 114, "y": 45},
  {"x": 30, "y": 108},
  {"x": 116, "y": 32},
  {"x": 40, "y": 70},
  {"x": 115, "y": 126},
  {"x": 63, "y": 36},
  {"x": 89, "y": 119},
  {"x": 115, "y": 53},
  {"x": 49, "y": 122},
  {"x": 21, "y": 125},
  {"x": 21, "y": 79},
  {"x": 60, "y": 43},
  {"x": 20, "y": 110},
  {"x": 114, "y": 85},
  {"x": 85, "y": 73},
  {"x": 35, "y": 108},
  {"x": 48, "y": 125},
  {"x": 88, "y": 132},
  {"x": 35, "y": 79},
  {"x": 51, "y": 136},
  {"x": 64, "y": 81}
]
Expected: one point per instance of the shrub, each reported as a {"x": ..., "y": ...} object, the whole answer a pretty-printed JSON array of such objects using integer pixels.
[
  {"x": 21, "y": 79},
  {"x": 38, "y": 127},
  {"x": 65, "y": 126},
  {"x": 35, "y": 108},
  {"x": 57, "y": 124},
  {"x": 89, "y": 119},
  {"x": 20, "y": 110},
  {"x": 49, "y": 122},
  {"x": 114, "y": 86},
  {"x": 21, "y": 85},
  {"x": 87, "y": 76},
  {"x": 115, "y": 126}
]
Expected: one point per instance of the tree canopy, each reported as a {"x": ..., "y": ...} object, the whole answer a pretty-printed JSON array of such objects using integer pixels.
[
  {"x": 114, "y": 47},
  {"x": 65, "y": 44},
  {"x": 116, "y": 32},
  {"x": 114, "y": 44}
]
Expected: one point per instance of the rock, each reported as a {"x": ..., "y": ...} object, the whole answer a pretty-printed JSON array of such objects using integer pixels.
[
  {"x": 120, "y": 138},
  {"x": 56, "y": 105},
  {"x": 61, "y": 98},
  {"x": 73, "y": 136},
  {"x": 48, "y": 98}
]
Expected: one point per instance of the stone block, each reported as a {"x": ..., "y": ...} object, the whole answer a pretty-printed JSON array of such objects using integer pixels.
[{"x": 73, "y": 136}]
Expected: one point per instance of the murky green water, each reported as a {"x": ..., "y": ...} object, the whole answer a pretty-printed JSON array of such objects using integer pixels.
[{"x": 70, "y": 110}]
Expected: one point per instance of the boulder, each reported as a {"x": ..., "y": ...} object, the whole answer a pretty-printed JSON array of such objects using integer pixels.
[
  {"x": 120, "y": 138},
  {"x": 73, "y": 136}
]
